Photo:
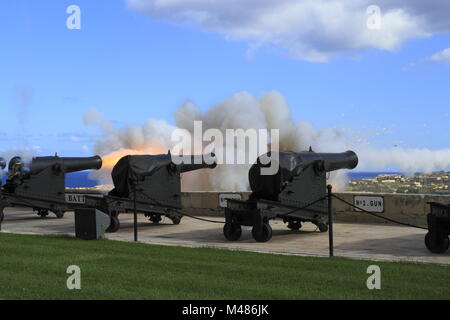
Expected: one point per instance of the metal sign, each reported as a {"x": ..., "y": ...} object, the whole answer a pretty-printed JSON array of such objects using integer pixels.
[
  {"x": 76, "y": 198},
  {"x": 369, "y": 203},
  {"x": 224, "y": 196}
]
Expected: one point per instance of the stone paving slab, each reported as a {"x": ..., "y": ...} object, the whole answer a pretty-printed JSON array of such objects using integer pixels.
[{"x": 361, "y": 241}]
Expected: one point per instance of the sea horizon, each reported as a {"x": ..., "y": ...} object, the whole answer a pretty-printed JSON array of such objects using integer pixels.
[{"x": 81, "y": 179}]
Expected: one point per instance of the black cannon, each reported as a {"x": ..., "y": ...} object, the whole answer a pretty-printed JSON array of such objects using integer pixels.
[
  {"x": 152, "y": 183},
  {"x": 437, "y": 239},
  {"x": 296, "y": 192},
  {"x": 40, "y": 183}
]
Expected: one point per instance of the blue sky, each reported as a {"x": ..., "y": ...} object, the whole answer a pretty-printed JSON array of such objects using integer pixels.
[{"x": 132, "y": 66}]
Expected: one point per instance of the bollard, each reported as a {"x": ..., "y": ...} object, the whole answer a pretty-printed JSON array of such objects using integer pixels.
[
  {"x": 330, "y": 221},
  {"x": 135, "y": 212}
]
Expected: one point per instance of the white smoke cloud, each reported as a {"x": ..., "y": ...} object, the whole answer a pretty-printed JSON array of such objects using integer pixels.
[
  {"x": 24, "y": 95},
  {"x": 442, "y": 57},
  {"x": 406, "y": 160},
  {"x": 270, "y": 111},
  {"x": 92, "y": 117},
  {"x": 312, "y": 30}
]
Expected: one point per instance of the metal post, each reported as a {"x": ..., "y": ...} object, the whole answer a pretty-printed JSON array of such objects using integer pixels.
[
  {"x": 135, "y": 212},
  {"x": 330, "y": 221}
]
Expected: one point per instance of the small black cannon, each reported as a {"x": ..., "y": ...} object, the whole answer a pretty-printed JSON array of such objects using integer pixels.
[
  {"x": 296, "y": 192},
  {"x": 40, "y": 183},
  {"x": 152, "y": 182},
  {"x": 437, "y": 239}
]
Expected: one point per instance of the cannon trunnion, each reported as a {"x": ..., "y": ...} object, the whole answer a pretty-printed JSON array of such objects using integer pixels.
[{"x": 296, "y": 193}]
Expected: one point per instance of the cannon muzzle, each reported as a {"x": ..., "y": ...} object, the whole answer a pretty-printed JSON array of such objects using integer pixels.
[{"x": 196, "y": 162}]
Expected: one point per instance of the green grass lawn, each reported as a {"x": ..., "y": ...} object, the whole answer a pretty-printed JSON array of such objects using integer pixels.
[{"x": 34, "y": 267}]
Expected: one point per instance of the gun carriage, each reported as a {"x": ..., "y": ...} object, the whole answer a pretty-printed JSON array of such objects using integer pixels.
[
  {"x": 296, "y": 193},
  {"x": 152, "y": 183},
  {"x": 40, "y": 183}
]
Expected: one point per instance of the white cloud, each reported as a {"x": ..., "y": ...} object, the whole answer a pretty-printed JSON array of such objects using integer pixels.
[
  {"x": 313, "y": 30},
  {"x": 442, "y": 56}
]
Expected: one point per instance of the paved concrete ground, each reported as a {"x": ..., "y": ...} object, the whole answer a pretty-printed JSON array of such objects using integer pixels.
[{"x": 365, "y": 241}]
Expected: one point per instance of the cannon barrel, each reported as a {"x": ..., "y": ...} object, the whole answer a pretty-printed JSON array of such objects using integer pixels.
[
  {"x": 334, "y": 161},
  {"x": 195, "y": 162},
  {"x": 65, "y": 164},
  {"x": 2, "y": 163}
]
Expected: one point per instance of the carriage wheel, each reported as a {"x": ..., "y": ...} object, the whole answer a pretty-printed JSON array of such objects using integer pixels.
[
  {"x": 155, "y": 218},
  {"x": 294, "y": 225},
  {"x": 42, "y": 213},
  {"x": 176, "y": 219},
  {"x": 263, "y": 235},
  {"x": 59, "y": 214},
  {"x": 440, "y": 244},
  {"x": 232, "y": 231},
  {"x": 323, "y": 227}
]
